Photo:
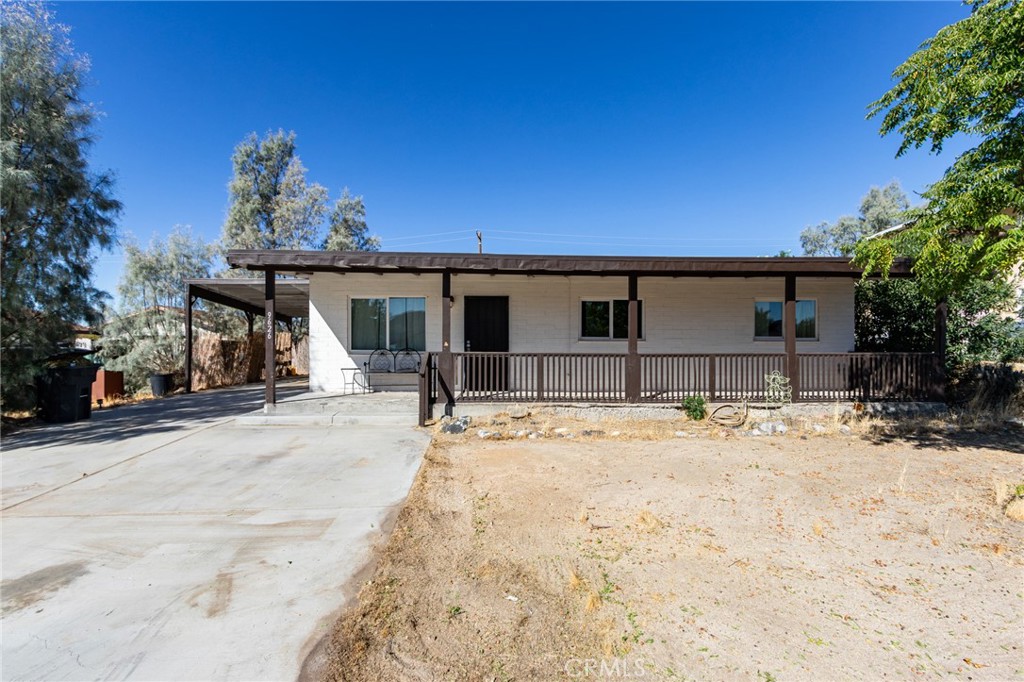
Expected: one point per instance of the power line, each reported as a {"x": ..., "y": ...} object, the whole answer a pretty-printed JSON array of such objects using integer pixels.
[
  {"x": 628, "y": 242},
  {"x": 631, "y": 238},
  {"x": 429, "y": 241},
  {"x": 424, "y": 236}
]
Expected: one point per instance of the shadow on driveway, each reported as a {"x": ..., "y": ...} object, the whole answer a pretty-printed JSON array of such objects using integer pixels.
[{"x": 163, "y": 415}]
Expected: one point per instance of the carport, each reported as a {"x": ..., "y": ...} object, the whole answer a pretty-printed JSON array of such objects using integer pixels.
[{"x": 276, "y": 299}]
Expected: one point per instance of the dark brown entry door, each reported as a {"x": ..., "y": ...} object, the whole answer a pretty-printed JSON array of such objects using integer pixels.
[{"x": 486, "y": 331}]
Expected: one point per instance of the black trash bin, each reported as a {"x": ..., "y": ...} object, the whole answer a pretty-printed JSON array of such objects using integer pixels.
[{"x": 65, "y": 393}]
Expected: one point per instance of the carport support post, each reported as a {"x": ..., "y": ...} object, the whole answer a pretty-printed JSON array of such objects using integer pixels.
[
  {"x": 941, "y": 313},
  {"x": 189, "y": 302},
  {"x": 445, "y": 364},
  {"x": 270, "y": 347},
  {"x": 632, "y": 356},
  {"x": 789, "y": 315},
  {"x": 250, "y": 318}
]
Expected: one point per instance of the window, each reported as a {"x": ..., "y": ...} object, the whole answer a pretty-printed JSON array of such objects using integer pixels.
[
  {"x": 392, "y": 323},
  {"x": 369, "y": 323},
  {"x": 806, "y": 320},
  {"x": 608, "y": 319},
  {"x": 768, "y": 316},
  {"x": 407, "y": 320}
]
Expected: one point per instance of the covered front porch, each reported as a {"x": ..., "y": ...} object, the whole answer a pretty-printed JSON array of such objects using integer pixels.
[{"x": 675, "y": 327}]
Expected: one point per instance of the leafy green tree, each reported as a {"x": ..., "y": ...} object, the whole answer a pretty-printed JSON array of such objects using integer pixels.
[
  {"x": 893, "y": 316},
  {"x": 968, "y": 79},
  {"x": 272, "y": 204},
  {"x": 54, "y": 211},
  {"x": 880, "y": 208},
  {"x": 348, "y": 231},
  {"x": 147, "y": 334}
]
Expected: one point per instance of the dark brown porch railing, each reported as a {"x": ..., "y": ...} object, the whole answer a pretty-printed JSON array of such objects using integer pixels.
[
  {"x": 427, "y": 385},
  {"x": 670, "y": 377},
  {"x": 869, "y": 376},
  {"x": 525, "y": 377}
]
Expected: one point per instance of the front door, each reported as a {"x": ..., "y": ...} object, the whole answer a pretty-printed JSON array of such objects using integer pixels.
[{"x": 486, "y": 331}]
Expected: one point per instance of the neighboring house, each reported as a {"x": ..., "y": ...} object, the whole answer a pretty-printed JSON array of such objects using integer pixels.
[
  {"x": 504, "y": 327},
  {"x": 85, "y": 337}
]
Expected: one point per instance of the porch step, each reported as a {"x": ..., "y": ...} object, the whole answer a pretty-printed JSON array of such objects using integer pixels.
[
  {"x": 394, "y": 381},
  {"x": 326, "y": 420},
  {"x": 320, "y": 409}
]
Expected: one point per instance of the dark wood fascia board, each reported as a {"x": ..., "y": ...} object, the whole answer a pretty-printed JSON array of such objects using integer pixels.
[{"x": 381, "y": 262}]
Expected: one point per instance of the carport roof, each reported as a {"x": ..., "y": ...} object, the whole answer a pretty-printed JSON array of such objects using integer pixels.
[{"x": 291, "y": 297}]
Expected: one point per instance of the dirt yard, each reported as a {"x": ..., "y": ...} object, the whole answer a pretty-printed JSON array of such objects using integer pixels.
[{"x": 698, "y": 556}]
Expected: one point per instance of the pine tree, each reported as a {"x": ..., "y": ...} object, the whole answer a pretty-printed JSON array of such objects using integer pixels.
[{"x": 54, "y": 211}]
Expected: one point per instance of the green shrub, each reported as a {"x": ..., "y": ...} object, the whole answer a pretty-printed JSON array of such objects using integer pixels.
[{"x": 695, "y": 407}]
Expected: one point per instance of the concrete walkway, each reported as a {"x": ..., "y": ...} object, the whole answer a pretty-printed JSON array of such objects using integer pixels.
[{"x": 167, "y": 541}]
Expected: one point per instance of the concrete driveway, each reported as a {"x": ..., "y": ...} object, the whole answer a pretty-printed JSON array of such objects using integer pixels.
[{"x": 166, "y": 542}]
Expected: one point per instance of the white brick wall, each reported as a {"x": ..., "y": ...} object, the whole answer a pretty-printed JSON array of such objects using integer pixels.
[
  {"x": 329, "y": 296},
  {"x": 682, "y": 315}
]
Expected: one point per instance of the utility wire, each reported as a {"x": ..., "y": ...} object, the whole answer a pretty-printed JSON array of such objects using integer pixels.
[
  {"x": 631, "y": 238},
  {"x": 424, "y": 236}
]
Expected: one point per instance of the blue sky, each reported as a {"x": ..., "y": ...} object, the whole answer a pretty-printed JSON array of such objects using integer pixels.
[{"x": 661, "y": 129}]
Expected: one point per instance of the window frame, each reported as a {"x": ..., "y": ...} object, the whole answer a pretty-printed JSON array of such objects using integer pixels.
[
  {"x": 611, "y": 320},
  {"x": 387, "y": 322},
  {"x": 782, "y": 337}
]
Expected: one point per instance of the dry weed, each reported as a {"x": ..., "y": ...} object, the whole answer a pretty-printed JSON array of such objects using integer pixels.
[
  {"x": 1015, "y": 510},
  {"x": 818, "y": 528},
  {"x": 576, "y": 582},
  {"x": 19, "y": 414},
  {"x": 902, "y": 480},
  {"x": 996, "y": 548},
  {"x": 485, "y": 569},
  {"x": 593, "y": 602},
  {"x": 609, "y": 641},
  {"x": 1001, "y": 492},
  {"x": 649, "y": 522}
]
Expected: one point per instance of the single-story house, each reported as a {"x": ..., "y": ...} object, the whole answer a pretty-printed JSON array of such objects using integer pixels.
[{"x": 589, "y": 328}]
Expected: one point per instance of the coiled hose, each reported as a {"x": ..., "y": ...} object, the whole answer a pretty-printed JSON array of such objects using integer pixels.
[{"x": 728, "y": 415}]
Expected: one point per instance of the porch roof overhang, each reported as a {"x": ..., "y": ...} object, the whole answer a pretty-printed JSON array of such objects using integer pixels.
[
  {"x": 380, "y": 262},
  {"x": 291, "y": 298}
]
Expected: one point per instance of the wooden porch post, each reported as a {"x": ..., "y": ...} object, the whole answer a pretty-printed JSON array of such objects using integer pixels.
[
  {"x": 250, "y": 318},
  {"x": 789, "y": 315},
  {"x": 941, "y": 313},
  {"x": 189, "y": 302},
  {"x": 269, "y": 340},
  {"x": 632, "y": 357},
  {"x": 445, "y": 364}
]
